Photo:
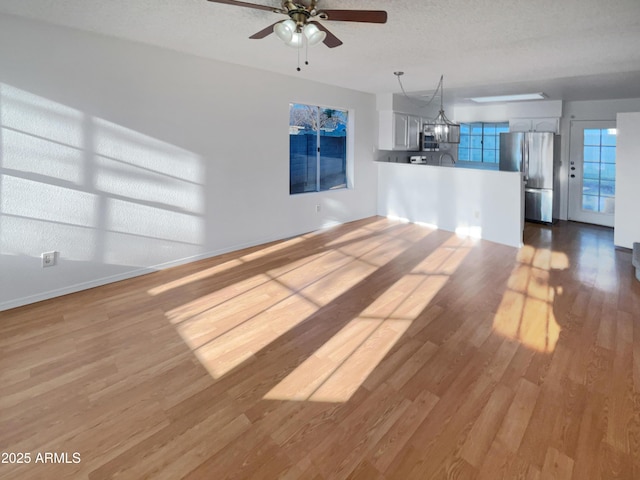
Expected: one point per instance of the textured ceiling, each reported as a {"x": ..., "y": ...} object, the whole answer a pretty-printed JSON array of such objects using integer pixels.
[{"x": 570, "y": 49}]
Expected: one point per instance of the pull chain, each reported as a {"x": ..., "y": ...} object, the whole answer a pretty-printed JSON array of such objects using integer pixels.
[{"x": 306, "y": 50}]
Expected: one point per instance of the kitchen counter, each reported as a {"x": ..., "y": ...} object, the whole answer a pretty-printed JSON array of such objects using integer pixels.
[{"x": 439, "y": 158}]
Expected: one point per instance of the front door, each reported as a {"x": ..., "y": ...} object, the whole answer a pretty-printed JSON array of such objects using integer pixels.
[{"x": 592, "y": 172}]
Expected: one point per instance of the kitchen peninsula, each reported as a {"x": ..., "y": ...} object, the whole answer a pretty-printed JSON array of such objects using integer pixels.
[{"x": 480, "y": 203}]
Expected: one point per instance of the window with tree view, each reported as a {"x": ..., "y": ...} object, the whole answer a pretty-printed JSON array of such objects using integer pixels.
[
  {"x": 317, "y": 148},
  {"x": 480, "y": 142}
]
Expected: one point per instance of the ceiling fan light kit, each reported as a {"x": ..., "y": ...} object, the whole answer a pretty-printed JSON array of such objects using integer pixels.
[
  {"x": 314, "y": 34},
  {"x": 289, "y": 33},
  {"x": 284, "y": 30},
  {"x": 301, "y": 28}
]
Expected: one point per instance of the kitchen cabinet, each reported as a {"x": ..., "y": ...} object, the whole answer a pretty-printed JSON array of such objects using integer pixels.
[
  {"x": 399, "y": 131},
  {"x": 550, "y": 124},
  {"x": 413, "y": 132}
]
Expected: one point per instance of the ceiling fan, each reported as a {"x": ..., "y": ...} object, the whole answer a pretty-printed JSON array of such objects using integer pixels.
[{"x": 301, "y": 21}]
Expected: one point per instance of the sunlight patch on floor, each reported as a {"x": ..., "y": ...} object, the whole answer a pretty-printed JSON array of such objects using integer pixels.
[
  {"x": 526, "y": 311},
  {"x": 225, "y": 298},
  {"x": 223, "y": 267},
  {"x": 337, "y": 369},
  {"x": 194, "y": 277},
  {"x": 238, "y": 344},
  {"x": 371, "y": 230},
  {"x": 226, "y": 351},
  {"x": 469, "y": 231},
  {"x": 227, "y": 327}
]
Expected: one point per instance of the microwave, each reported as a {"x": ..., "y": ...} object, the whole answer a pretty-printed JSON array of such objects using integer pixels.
[{"x": 428, "y": 139}]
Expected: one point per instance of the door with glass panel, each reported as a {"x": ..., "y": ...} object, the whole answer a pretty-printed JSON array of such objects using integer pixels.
[{"x": 592, "y": 172}]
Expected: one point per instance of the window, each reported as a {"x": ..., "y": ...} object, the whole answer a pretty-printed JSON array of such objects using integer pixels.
[
  {"x": 480, "y": 142},
  {"x": 317, "y": 148},
  {"x": 599, "y": 172}
]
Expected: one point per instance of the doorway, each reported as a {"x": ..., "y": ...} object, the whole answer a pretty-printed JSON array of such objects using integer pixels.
[{"x": 592, "y": 172}]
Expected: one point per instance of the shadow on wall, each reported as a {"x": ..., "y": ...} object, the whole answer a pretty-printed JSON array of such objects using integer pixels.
[{"x": 93, "y": 191}]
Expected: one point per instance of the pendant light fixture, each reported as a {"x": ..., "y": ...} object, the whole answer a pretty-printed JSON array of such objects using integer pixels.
[{"x": 444, "y": 130}]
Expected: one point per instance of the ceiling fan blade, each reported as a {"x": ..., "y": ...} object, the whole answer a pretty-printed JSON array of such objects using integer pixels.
[
  {"x": 249, "y": 5},
  {"x": 369, "y": 16},
  {"x": 264, "y": 32},
  {"x": 330, "y": 40}
]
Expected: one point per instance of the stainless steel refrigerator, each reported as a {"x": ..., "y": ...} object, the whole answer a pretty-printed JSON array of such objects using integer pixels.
[{"x": 536, "y": 155}]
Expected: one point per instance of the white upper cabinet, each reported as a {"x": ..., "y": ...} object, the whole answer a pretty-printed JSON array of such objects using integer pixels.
[
  {"x": 399, "y": 131},
  {"x": 413, "y": 132},
  {"x": 550, "y": 124}
]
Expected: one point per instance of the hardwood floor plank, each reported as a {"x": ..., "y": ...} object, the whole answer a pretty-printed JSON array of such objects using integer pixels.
[
  {"x": 387, "y": 449},
  {"x": 486, "y": 426},
  {"x": 607, "y": 330},
  {"x": 567, "y": 426},
  {"x": 412, "y": 365},
  {"x": 372, "y": 350},
  {"x": 394, "y": 361},
  {"x": 501, "y": 463},
  {"x": 591, "y": 433},
  {"x": 556, "y": 465},
  {"x": 538, "y": 434},
  {"x": 179, "y": 445},
  {"x": 599, "y": 368},
  {"x": 620, "y": 392},
  {"x": 518, "y": 366},
  {"x": 365, "y": 471},
  {"x": 614, "y": 464},
  {"x": 517, "y": 417}
]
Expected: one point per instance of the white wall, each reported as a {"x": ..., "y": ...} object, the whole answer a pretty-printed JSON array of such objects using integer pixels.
[
  {"x": 627, "y": 217},
  {"x": 125, "y": 158},
  {"x": 480, "y": 203}
]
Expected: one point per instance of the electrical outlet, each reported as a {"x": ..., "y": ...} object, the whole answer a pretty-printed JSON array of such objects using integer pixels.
[
  {"x": 48, "y": 259},
  {"x": 317, "y": 208}
]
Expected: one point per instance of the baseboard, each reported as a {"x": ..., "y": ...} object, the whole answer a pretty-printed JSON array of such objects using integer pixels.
[
  {"x": 78, "y": 287},
  {"x": 27, "y": 300}
]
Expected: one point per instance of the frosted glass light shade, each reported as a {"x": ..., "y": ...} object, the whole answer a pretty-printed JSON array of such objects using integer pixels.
[
  {"x": 285, "y": 30},
  {"x": 314, "y": 34},
  {"x": 296, "y": 40}
]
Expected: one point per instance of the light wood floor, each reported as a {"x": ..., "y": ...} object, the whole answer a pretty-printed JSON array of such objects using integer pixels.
[{"x": 373, "y": 350}]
